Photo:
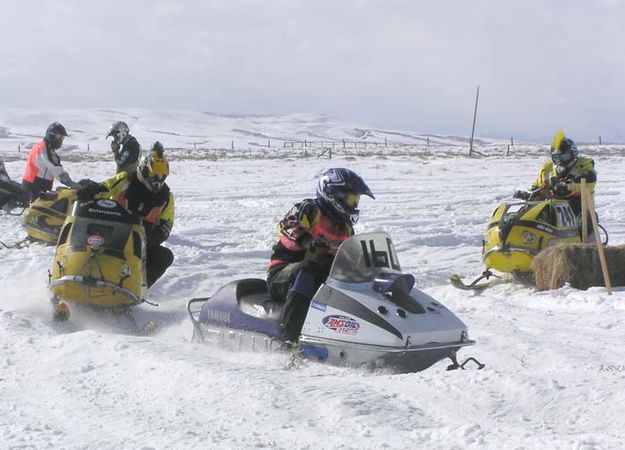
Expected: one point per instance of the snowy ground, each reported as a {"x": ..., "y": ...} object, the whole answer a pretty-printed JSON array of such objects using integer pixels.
[{"x": 555, "y": 372}]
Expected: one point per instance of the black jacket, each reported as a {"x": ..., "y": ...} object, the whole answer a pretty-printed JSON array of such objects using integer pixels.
[{"x": 128, "y": 155}]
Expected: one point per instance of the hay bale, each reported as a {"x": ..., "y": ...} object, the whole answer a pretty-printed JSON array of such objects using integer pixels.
[{"x": 578, "y": 265}]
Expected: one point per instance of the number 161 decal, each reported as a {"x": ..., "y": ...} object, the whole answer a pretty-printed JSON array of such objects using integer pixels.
[{"x": 380, "y": 258}]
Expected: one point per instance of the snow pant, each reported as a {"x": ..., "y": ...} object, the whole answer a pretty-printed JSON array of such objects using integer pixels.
[
  {"x": 295, "y": 284},
  {"x": 158, "y": 259},
  {"x": 36, "y": 188}
]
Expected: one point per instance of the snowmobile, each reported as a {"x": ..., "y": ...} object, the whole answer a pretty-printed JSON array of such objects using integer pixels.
[
  {"x": 367, "y": 313},
  {"x": 45, "y": 216},
  {"x": 11, "y": 194},
  {"x": 100, "y": 258},
  {"x": 517, "y": 231}
]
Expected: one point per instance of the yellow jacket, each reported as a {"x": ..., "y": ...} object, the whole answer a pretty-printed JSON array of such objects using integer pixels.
[
  {"x": 583, "y": 168},
  {"x": 155, "y": 208}
]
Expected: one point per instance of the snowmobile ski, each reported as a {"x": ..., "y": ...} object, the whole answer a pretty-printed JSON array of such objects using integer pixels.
[
  {"x": 476, "y": 285},
  {"x": 61, "y": 312},
  {"x": 19, "y": 244}
]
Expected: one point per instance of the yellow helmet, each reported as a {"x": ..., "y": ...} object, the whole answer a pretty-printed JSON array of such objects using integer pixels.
[{"x": 153, "y": 168}]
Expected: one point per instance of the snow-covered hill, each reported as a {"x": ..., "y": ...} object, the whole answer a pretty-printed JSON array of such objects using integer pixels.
[
  {"x": 190, "y": 129},
  {"x": 554, "y": 376}
]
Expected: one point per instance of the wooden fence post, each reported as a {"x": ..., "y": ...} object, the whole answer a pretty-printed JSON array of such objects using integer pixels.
[
  {"x": 600, "y": 249},
  {"x": 477, "y": 97},
  {"x": 584, "y": 213}
]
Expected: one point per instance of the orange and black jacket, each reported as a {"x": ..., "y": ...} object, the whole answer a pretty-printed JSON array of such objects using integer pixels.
[{"x": 306, "y": 222}]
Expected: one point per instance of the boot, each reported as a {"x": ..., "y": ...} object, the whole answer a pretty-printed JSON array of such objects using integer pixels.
[{"x": 294, "y": 315}]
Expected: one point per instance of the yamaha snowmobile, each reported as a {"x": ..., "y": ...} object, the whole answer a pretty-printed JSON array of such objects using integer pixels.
[
  {"x": 367, "y": 313},
  {"x": 517, "y": 231},
  {"x": 100, "y": 259}
]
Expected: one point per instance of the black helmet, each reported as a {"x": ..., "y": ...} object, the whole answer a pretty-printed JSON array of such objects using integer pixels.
[
  {"x": 563, "y": 150},
  {"x": 340, "y": 190},
  {"x": 55, "y": 135}
]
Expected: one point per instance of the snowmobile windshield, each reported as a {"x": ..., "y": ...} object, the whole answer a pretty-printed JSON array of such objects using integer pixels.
[{"x": 361, "y": 257}]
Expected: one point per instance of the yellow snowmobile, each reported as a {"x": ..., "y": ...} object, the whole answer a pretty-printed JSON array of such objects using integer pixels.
[
  {"x": 518, "y": 231},
  {"x": 100, "y": 258},
  {"x": 45, "y": 216}
]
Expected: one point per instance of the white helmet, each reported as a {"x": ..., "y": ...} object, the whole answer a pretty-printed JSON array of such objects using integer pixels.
[{"x": 119, "y": 131}]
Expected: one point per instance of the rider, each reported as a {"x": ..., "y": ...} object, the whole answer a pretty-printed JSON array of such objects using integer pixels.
[
  {"x": 309, "y": 236},
  {"x": 145, "y": 194},
  {"x": 43, "y": 164},
  {"x": 563, "y": 174},
  {"x": 125, "y": 147}
]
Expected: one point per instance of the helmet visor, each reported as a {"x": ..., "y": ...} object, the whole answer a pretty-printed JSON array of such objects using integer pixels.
[
  {"x": 117, "y": 136},
  {"x": 561, "y": 158},
  {"x": 152, "y": 181},
  {"x": 352, "y": 199},
  {"x": 154, "y": 177}
]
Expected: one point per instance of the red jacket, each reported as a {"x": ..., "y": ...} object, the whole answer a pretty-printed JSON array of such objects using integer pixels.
[{"x": 307, "y": 221}]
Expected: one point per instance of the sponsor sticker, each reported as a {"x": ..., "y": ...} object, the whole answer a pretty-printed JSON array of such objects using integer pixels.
[
  {"x": 318, "y": 305},
  {"x": 95, "y": 241},
  {"x": 108, "y": 204},
  {"x": 341, "y": 324}
]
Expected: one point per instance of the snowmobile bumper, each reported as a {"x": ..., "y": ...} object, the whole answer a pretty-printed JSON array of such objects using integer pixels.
[
  {"x": 508, "y": 259},
  {"x": 102, "y": 293},
  {"x": 399, "y": 359}
]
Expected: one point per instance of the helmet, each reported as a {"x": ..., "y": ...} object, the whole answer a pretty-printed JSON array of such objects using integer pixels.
[
  {"x": 119, "y": 131},
  {"x": 563, "y": 151},
  {"x": 55, "y": 135},
  {"x": 153, "y": 168},
  {"x": 340, "y": 190}
]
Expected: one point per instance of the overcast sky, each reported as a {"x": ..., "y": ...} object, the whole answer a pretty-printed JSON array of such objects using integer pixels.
[{"x": 411, "y": 65}]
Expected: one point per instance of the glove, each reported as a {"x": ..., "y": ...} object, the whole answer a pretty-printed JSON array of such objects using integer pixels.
[
  {"x": 89, "y": 190},
  {"x": 157, "y": 234},
  {"x": 315, "y": 248},
  {"x": 523, "y": 195},
  {"x": 115, "y": 147},
  {"x": 561, "y": 189}
]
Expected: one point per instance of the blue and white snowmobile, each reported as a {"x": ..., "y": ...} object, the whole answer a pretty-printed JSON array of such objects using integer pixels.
[{"x": 367, "y": 313}]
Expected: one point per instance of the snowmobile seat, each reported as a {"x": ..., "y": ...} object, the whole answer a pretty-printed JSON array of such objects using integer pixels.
[{"x": 253, "y": 298}]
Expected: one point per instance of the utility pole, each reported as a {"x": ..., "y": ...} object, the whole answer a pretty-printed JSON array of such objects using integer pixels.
[{"x": 477, "y": 97}]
